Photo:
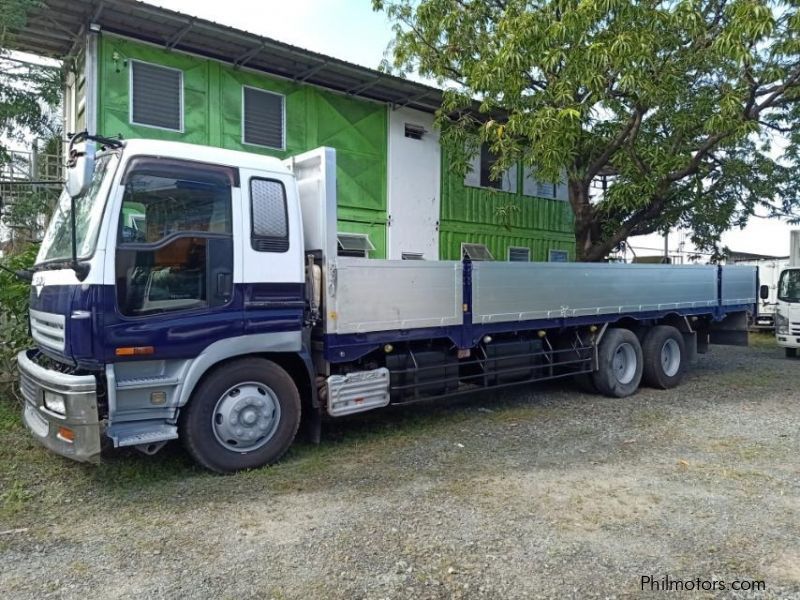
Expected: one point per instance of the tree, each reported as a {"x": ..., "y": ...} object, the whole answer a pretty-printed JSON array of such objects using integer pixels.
[
  {"x": 678, "y": 103},
  {"x": 30, "y": 95},
  {"x": 30, "y": 92}
]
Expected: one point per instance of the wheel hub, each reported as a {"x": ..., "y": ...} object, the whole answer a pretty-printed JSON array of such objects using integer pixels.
[
  {"x": 624, "y": 363},
  {"x": 670, "y": 357},
  {"x": 246, "y": 417}
]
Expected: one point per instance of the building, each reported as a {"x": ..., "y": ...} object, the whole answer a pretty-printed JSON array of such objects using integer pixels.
[{"x": 138, "y": 70}]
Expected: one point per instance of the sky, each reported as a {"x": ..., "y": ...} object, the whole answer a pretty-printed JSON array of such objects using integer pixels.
[
  {"x": 350, "y": 30},
  {"x": 345, "y": 29}
]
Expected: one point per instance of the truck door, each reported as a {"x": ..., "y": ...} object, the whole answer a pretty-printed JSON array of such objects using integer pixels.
[
  {"x": 173, "y": 292},
  {"x": 273, "y": 271}
]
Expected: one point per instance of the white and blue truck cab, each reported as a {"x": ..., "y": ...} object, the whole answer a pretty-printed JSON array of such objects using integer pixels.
[
  {"x": 192, "y": 292},
  {"x": 787, "y": 311}
]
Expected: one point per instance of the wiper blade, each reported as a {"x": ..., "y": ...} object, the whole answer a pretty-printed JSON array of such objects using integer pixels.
[{"x": 81, "y": 268}]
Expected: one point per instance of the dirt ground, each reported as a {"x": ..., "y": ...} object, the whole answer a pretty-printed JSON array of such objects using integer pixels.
[{"x": 535, "y": 493}]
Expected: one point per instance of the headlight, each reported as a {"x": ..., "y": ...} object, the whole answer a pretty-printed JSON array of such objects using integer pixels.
[
  {"x": 781, "y": 324},
  {"x": 55, "y": 402}
]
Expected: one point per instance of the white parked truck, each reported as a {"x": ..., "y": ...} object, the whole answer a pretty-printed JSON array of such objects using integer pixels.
[
  {"x": 787, "y": 313},
  {"x": 226, "y": 312},
  {"x": 769, "y": 272}
]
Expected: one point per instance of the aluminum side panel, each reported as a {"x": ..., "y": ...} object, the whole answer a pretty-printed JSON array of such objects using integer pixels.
[
  {"x": 739, "y": 285},
  {"x": 505, "y": 292},
  {"x": 370, "y": 295}
]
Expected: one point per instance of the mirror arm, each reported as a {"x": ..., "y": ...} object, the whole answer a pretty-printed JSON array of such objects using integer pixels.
[{"x": 81, "y": 268}]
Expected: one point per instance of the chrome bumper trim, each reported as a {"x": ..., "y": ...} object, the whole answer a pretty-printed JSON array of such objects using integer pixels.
[{"x": 80, "y": 399}]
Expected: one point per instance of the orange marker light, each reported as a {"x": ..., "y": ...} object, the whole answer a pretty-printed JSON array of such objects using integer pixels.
[
  {"x": 135, "y": 351},
  {"x": 66, "y": 434}
]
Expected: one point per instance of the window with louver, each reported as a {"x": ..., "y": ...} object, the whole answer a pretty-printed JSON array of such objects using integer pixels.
[
  {"x": 270, "y": 230},
  {"x": 262, "y": 118},
  {"x": 519, "y": 254},
  {"x": 156, "y": 96}
]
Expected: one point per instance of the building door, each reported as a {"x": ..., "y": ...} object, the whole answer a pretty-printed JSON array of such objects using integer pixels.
[{"x": 414, "y": 175}]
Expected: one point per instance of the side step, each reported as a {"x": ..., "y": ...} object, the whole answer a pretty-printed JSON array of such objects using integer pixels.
[{"x": 140, "y": 433}]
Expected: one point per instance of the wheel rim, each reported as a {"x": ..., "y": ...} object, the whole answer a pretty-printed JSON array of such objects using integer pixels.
[
  {"x": 246, "y": 417},
  {"x": 624, "y": 363},
  {"x": 670, "y": 357}
]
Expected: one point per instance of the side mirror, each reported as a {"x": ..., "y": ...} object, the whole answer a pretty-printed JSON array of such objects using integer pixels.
[
  {"x": 764, "y": 292},
  {"x": 81, "y": 169}
]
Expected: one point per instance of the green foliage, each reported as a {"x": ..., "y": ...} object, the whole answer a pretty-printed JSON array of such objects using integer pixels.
[
  {"x": 680, "y": 103},
  {"x": 14, "y": 311},
  {"x": 30, "y": 92}
]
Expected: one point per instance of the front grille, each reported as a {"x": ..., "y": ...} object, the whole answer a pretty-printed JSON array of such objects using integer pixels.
[
  {"x": 795, "y": 327},
  {"x": 47, "y": 329},
  {"x": 29, "y": 390}
]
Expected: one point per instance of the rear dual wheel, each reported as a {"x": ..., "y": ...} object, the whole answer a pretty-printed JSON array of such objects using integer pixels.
[
  {"x": 664, "y": 357},
  {"x": 619, "y": 364}
]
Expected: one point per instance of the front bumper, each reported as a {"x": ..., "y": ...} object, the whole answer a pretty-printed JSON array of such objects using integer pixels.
[
  {"x": 80, "y": 399},
  {"x": 764, "y": 322}
]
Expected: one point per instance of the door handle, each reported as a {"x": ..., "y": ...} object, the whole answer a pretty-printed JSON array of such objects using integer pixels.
[{"x": 224, "y": 285}]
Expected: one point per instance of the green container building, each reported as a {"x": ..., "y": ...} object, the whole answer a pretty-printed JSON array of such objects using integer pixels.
[{"x": 143, "y": 71}]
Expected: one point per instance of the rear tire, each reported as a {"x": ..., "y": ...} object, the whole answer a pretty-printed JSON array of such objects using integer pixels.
[
  {"x": 619, "y": 364},
  {"x": 791, "y": 352},
  {"x": 242, "y": 416},
  {"x": 664, "y": 357}
]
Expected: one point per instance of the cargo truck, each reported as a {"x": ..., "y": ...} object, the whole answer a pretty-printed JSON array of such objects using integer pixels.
[
  {"x": 787, "y": 312},
  {"x": 192, "y": 292}
]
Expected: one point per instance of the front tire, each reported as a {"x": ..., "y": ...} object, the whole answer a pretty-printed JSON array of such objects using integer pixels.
[
  {"x": 244, "y": 415},
  {"x": 664, "y": 357},
  {"x": 619, "y": 364},
  {"x": 791, "y": 352}
]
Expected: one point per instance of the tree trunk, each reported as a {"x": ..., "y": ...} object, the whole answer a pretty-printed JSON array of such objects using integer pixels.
[{"x": 586, "y": 229}]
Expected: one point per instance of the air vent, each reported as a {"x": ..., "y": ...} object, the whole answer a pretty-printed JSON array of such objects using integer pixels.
[
  {"x": 415, "y": 132},
  {"x": 262, "y": 118},
  {"x": 356, "y": 245},
  {"x": 156, "y": 96},
  {"x": 413, "y": 256},
  {"x": 518, "y": 254},
  {"x": 476, "y": 252},
  {"x": 559, "y": 256}
]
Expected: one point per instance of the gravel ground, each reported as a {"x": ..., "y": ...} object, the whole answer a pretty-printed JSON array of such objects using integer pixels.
[{"x": 537, "y": 493}]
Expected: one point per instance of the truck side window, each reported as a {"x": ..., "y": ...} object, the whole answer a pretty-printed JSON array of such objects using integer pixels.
[
  {"x": 174, "y": 241},
  {"x": 269, "y": 231}
]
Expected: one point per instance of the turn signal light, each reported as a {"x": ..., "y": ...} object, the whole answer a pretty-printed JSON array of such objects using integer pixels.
[
  {"x": 135, "y": 351},
  {"x": 66, "y": 434}
]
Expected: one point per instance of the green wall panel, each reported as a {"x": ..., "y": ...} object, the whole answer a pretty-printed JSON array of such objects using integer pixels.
[
  {"x": 213, "y": 116},
  {"x": 469, "y": 214},
  {"x": 356, "y": 128}
]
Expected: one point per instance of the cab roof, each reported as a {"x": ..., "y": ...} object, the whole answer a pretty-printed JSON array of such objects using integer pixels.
[{"x": 206, "y": 154}]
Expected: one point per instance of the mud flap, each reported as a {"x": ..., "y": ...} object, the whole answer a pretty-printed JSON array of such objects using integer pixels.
[{"x": 731, "y": 331}]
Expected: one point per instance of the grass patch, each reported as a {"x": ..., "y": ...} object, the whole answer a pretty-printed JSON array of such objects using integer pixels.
[{"x": 762, "y": 339}]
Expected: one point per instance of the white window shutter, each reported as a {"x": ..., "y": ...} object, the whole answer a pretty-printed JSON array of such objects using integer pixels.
[
  {"x": 509, "y": 180},
  {"x": 529, "y": 182},
  {"x": 473, "y": 176},
  {"x": 562, "y": 191}
]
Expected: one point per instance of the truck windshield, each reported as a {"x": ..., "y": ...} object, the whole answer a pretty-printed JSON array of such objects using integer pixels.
[
  {"x": 789, "y": 286},
  {"x": 57, "y": 242}
]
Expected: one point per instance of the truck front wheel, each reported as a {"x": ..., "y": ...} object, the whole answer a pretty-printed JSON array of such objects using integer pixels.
[
  {"x": 664, "y": 353},
  {"x": 791, "y": 352},
  {"x": 619, "y": 364},
  {"x": 242, "y": 416}
]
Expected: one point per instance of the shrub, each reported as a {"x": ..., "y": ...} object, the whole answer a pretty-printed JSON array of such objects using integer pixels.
[{"x": 14, "y": 311}]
